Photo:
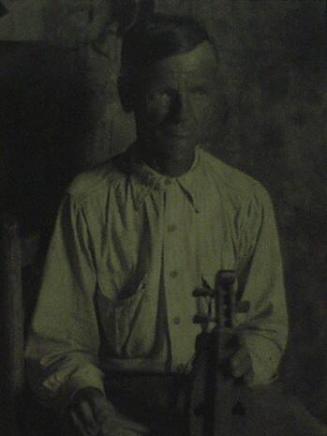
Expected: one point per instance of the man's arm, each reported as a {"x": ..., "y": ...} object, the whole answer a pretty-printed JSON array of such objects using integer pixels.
[
  {"x": 63, "y": 342},
  {"x": 261, "y": 283}
]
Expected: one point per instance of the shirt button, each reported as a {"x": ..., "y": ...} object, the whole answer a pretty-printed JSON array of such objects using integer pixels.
[
  {"x": 177, "y": 320},
  {"x": 173, "y": 274},
  {"x": 171, "y": 228}
]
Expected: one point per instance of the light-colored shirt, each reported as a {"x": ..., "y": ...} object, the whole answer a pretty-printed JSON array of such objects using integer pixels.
[{"x": 129, "y": 248}]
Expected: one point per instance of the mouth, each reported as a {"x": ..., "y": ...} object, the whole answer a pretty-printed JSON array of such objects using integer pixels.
[{"x": 177, "y": 133}]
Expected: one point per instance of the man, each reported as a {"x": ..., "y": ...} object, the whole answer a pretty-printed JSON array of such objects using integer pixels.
[{"x": 112, "y": 334}]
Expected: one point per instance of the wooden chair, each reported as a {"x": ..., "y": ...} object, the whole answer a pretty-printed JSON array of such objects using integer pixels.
[{"x": 18, "y": 278}]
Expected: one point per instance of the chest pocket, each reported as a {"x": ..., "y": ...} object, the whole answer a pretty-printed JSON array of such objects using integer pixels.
[
  {"x": 123, "y": 250},
  {"x": 118, "y": 311}
]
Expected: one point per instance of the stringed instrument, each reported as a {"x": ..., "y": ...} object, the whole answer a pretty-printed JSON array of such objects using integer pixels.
[{"x": 214, "y": 397}]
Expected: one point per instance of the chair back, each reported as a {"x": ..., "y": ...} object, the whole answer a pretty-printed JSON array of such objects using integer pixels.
[{"x": 16, "y": 252}]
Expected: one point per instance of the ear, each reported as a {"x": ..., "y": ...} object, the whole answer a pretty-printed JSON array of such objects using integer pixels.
[
  {"x": 131, "y": 12},
  {"x": 126, "y": 93}
]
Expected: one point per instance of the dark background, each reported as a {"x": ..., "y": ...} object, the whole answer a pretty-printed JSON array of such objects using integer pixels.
[{"x": 60, "y": 113}]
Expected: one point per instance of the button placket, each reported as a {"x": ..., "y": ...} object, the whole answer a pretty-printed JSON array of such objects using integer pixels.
[{"x": 173, "y": 270}]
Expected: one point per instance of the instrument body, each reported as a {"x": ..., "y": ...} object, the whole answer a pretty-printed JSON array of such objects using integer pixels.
[{"x": 214, "y": 397}]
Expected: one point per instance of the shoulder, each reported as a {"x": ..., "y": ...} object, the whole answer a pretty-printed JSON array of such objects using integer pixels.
[
  {"x": 233, "y": 182},
  {"x": 98, "y": 180}
]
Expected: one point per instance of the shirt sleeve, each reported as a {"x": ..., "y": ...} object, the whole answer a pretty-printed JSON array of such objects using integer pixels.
[
  {"x": 261, "y": 283},
  {"x": 63, "y": 342}
]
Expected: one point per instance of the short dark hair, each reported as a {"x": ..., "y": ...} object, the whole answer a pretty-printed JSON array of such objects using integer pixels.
[{"x": 154, "y": 39}]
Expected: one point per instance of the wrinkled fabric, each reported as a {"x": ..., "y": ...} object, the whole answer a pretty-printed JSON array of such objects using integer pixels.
[{"x": 128, "y": 249}]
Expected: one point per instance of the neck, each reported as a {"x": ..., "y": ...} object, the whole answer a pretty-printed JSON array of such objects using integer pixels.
[{"x": 169, "y": 165}]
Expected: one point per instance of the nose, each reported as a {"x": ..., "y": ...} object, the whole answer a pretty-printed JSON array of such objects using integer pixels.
[{"x": 180, "y": 108}]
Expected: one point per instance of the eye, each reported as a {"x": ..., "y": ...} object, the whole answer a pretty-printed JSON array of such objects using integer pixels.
[{"x": 159, "y": 96}]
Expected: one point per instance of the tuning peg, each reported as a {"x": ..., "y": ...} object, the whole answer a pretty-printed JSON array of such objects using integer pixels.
[
  {"x": 226, "y": 277},
  {"x": 242, "y": 307},
  {"x": 200, "y": 319},
  {"x": 203, "y": 292},
  {"x": 203, "y": 319}
]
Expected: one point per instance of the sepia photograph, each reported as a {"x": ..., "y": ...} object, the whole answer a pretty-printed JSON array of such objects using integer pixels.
[{"x": 163, "y": 210}]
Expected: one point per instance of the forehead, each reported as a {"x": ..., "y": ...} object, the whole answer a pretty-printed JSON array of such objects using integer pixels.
[{"x": 201, "y": 62}]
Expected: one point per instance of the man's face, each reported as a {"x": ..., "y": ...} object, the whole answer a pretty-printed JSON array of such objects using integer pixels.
[{"x": 176, "y": 101}]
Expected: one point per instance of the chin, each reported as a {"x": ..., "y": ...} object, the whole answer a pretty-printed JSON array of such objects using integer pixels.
[{"x": 176, "y": 145}]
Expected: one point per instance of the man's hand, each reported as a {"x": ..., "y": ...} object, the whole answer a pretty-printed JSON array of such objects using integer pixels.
[
  {"x": 237, "y": 358},
  {"x": 241, "y": 364},
  {"x": 93, "y": 415}
]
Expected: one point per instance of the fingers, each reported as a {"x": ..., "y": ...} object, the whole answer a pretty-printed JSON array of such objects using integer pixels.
[
  {"x": 114, "y": 425},
  {"x": 231, "y": 343},
  {"x": 94, "y": 415},
  {"x": 105, "y": 415},
  {"x": 103, "y": 410},
  {"x": 130, "y": 427},
  {"x": 84, "y": 419},
  {"x": 240, "y": 363},
  {"x": 79, "y": 425},
  {"x": 111, "y": 427}
]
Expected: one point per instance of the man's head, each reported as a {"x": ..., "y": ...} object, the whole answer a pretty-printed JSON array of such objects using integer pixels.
[{"x": 168, "y": 79}]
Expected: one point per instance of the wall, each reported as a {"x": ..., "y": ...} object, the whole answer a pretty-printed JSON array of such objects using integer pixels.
[{"x": 273, "y": 53}]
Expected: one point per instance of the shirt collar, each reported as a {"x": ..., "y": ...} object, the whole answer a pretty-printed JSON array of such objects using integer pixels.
[{"x": 146, "y": 180}]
